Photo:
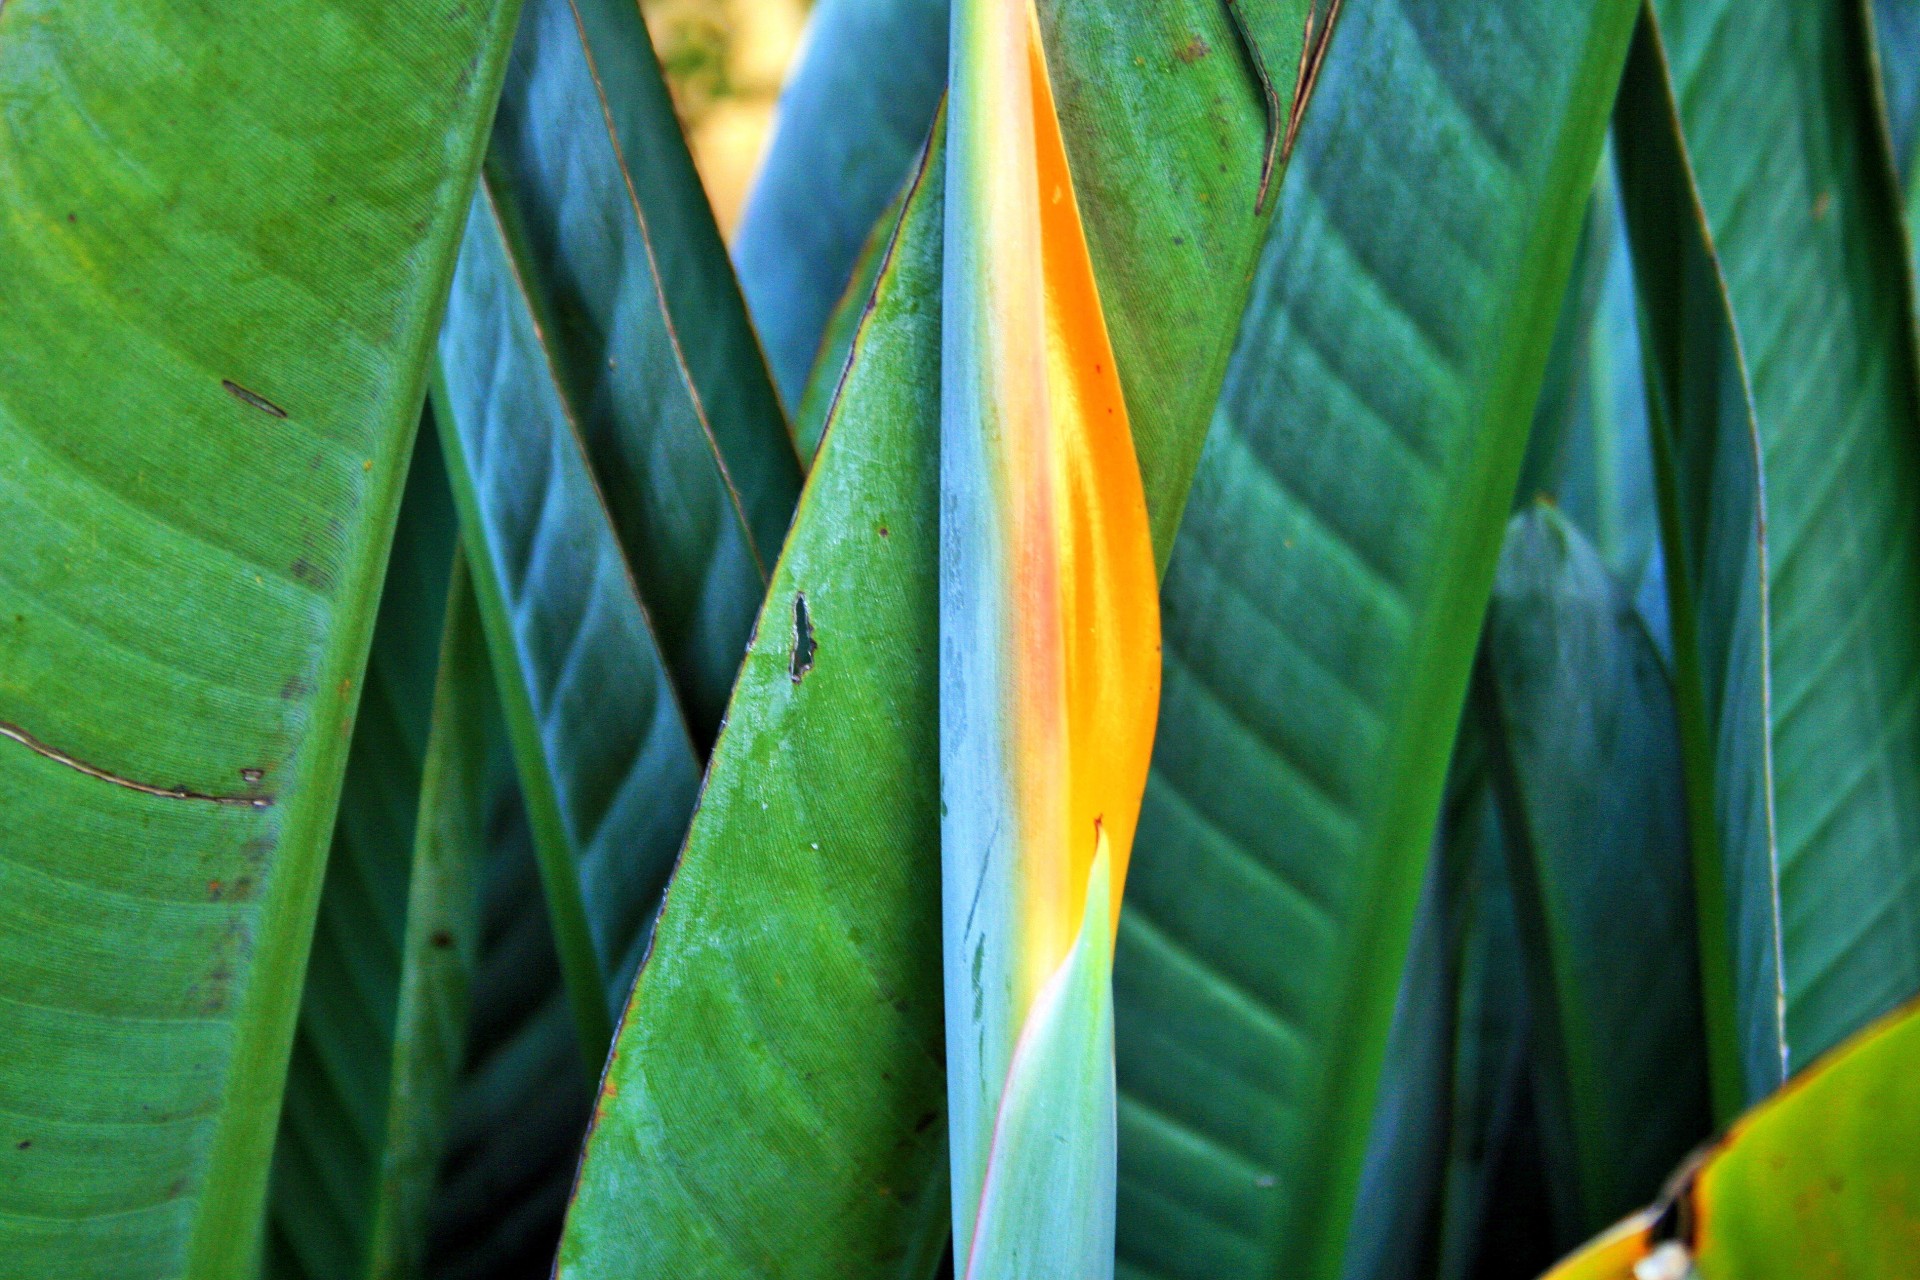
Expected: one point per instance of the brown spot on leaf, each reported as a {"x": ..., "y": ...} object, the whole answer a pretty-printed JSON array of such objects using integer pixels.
[
  {"x": 253, "y": 398},
  {"x": 1194, "y": 50}
]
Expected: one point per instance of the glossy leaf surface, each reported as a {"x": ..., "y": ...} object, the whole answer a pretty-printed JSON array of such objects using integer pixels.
[
  {"x": 643, "y": 324},
  {"x": 218, "y": 289},
  {"x": 1357, "y": 480},
  {"x": 604, "y": 753}
]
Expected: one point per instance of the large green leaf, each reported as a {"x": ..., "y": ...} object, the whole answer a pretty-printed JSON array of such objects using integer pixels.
[
  {"x": 605, "y": 757},
  {"x": 358, "y": 1048},
  {"x": 853, "y": 115},
  {"x": 1814, "y": 1184},
  {"x": 616, "y": 248},
  {"x": 774, "y": 1103},
  {"x": 1768, "y": 250},
  {"x": 1587, "y": 764},
  {"x": 1356, "y": 484},
  {"x": 219, "y": 280}
]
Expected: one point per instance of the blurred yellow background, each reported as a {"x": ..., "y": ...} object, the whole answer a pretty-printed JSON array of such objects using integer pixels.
[{"x": 725, "y": 60}]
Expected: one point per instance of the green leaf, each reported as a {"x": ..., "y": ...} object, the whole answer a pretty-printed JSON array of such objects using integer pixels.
[
  {"x": 1352, "y": 499},
  {"x": 1587, "y": 764},
  {"x": 1816, "y": 1182},
  {"x": 1589, "y": 450},
  {"x": 1793, "y": 555},
  {"x": 524, "y": 1095},
  {"x": 442, "y": 939},
  {"x": 836, "y": 344},
  {"x": 1488, "y": 1095},
  {"x": 1400, "y": 1185},
  {"x": 1047, "y": 1204},
  {"x": 358, "y": 1048},
  {"x": 774, "y": 1103},
  {"x": 853, "y": 116},
  {"x": 219, "y": 280},
  {"x": 646, "y": 333},
  {"x": 605, "y": 758},
  {"x": 1896, "y": 26}
]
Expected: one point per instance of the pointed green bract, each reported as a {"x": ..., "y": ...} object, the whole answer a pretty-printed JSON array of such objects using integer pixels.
[
  {"x": 1352, "y": 499},
  {"x": 217, "y": 297},
  {"x": 1793, "y": 554},
  {"x": 1049, "y": 1176},
  {"x": 775, "y": 1105}
]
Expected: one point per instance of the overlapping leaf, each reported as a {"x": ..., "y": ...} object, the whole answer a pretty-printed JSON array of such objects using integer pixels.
[
  {"x": 218, "y": 289},
  {"x": 793, "y": 991},
  {"x": 853, "y": 115},
  {"x": 1769, "y": 256},
  {"x": 1356, "y": 484},
  {"x": 342, "y": 1163}
]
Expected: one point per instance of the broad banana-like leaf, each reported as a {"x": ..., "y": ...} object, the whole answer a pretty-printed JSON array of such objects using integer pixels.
[
  {"x": 1360, "y": 470},
  {"x": 774, "y": 1105},
  {"x": 853, "y": 115},
  {"x": 380, "y": 1020},
  {"x": 1049, "y": 671},
  {"x": 775, "y": 1102},
  {"x": 218, "y": 291},
  {"x": 1586, "y": 761},
  {"x": 1766, "y": 234},
  {"x": 649, "y": 341},
  {"x": 605, "y": 757},
  {"x": 1816, "y": 1182}
]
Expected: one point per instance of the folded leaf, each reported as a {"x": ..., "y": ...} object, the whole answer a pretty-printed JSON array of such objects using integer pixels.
[{"x": 219, "y": 281}]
